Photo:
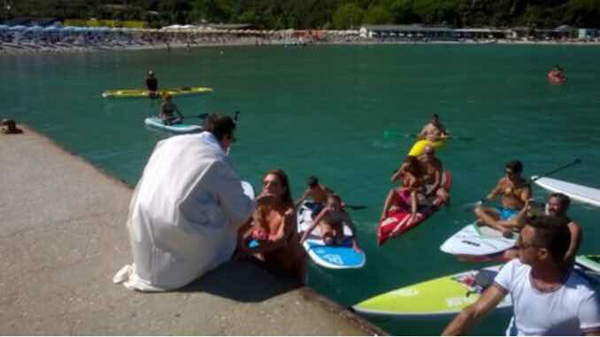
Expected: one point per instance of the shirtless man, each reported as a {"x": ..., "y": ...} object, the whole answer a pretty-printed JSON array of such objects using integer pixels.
[
  {"x": 331, "y": 222},
  {"x": 434, "y": 130},
  {"x": 152, "y": 84},
  {"x": 515, "y": 192},
  {"x": 411, "y": 187},
  {"x": 317, "y": 193},
  {"x": 557, "y": 206},
  {"x": 432, "y": 172}
]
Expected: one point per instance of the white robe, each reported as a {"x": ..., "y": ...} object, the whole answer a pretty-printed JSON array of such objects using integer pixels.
[{"x": 184, "y": 214}]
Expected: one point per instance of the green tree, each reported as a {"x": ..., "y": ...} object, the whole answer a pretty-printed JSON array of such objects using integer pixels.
[
  {"x": 378, "y": 15},
  {"x": 348, "y": 16}
]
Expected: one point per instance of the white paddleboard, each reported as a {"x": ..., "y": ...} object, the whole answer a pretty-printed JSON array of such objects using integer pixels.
[
  {"x": 333, "y": 257},
  {"x": 577, "y": 192},
  {"x": 478, "y": 241}
]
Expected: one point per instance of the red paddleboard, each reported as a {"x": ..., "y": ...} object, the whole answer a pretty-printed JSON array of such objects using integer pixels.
[{"x": 396, "y": 223}]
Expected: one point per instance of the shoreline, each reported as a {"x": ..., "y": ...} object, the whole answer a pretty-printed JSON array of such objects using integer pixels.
[{"x": 17, "y": 49}]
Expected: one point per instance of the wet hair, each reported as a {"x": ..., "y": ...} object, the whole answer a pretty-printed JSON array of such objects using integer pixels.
[
  {"x": 435, "y": 116},
  {"x": 413, "y": 166},
  {"x": 515, "y": 165},
  {"x": 552, "y": 233},
  {"x": 219, "y": 125},
  {"x": 564, "y": 199},
  {"x": 285, "y": 182},
  {"x": 312, "y": 181}
]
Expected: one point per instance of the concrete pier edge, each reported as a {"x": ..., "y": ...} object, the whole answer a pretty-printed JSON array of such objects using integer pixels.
[{"x": 63, "y": 236}]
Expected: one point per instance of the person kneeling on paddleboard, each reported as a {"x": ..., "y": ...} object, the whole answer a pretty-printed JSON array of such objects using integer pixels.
[
  {"x": 331, "y": 222},
  {"x": 515, "y": 192},
  {"x": 406, "y": 196},
  {"x": 168, "y": 109}
]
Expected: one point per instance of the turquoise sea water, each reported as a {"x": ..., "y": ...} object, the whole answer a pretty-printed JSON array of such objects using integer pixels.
[{"x": 323, "y": 111}]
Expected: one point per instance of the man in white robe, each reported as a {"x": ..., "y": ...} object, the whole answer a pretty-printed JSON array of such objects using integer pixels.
[{"x": 185, "y": 210}]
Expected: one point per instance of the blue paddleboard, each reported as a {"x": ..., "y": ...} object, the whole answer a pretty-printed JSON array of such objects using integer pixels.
[{"x": 334, "y": 257}]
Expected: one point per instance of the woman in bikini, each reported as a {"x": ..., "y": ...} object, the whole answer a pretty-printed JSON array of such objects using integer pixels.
[
  {"x": 274, "y": 229},
  {"x": 407, "y": 195}
]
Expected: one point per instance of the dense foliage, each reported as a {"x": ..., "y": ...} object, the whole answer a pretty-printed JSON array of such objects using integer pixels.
[{"x": 327, "y": 14}]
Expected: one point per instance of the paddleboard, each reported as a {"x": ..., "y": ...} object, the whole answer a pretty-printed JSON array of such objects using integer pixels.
[
  {"x": 475, "y": 240},
  {"x": 577, "y": 192},
  {"x": 157, "y": 123},
  {"x": 248, "y": 189},
  {"x": 419, "y": 147},
  {"x": 133, "y": 93},
  {"x": 396, "y": 222},
  {"x": 446, "y": 295},
  {"x": 333, "y": 257},
  {"x": 442, "y": 296},
  {"x": 591, "y": 262}
]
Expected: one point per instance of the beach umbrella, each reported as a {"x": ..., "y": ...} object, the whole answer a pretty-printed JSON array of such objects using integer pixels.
[
  {"x": 50, "y": 29},
  {"x": 3, "y": 27},
  {"x": 18, "y": 27},
  {"x": 33, "y": 28}
]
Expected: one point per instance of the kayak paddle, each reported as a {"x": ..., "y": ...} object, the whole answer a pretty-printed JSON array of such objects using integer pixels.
[{"x": 389, "y": 134}]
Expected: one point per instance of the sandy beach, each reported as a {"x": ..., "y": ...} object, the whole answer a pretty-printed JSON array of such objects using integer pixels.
[{"x": 167, "y": 40}]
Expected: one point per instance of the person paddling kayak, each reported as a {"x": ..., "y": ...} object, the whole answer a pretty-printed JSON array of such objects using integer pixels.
[{"x": 168, "y": 109}]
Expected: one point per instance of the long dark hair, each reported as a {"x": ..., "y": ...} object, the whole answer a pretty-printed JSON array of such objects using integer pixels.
[{"x": 285, "y": 182}]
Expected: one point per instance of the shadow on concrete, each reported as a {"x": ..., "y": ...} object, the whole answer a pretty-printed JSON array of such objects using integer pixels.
[{"x": 242, "y": 281}]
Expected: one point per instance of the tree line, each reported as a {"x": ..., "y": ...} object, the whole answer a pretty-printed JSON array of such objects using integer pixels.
[{"x": 320, "y": 14}]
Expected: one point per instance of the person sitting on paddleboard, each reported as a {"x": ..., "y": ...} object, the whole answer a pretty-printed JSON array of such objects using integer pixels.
[
  {"x": 168, "y": 109},
  {"x": 277, "y": 236},
  {"x": 317, "y": 193},
  {"x": 152, "y": 84},
  {"x": 407, "y": 195},
  {"x": 331, "y": 222},
  {"x": 515, "y": 192},
  {"x": 433, "y": 171},
  {"x": 557, "y": 205},
  {"x": 434, "y": 130}
]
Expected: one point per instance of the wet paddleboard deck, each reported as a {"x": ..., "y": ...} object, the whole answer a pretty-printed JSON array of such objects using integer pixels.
[
  {"x": 442, "y": 296},
  {"x": 334, "y": 257},
  {"x": 397, "y": 221},
  {"x": 474, "y": 240},
  {"x": 142, "y": 93},
  {"x": 157, "y": 123},
  {"x": 577, "y": 192}
]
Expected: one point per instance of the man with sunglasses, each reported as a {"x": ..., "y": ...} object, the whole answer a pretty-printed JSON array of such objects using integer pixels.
[
  {"x": 548, "y": 297},
  {"x": 515, "y": 192},
  {"x": 185, "y": 210}
]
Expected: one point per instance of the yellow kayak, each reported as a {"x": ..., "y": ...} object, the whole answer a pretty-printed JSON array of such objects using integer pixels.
[
  {"x": 420, "y": 145},
  {"x": 129, "y": 93}
]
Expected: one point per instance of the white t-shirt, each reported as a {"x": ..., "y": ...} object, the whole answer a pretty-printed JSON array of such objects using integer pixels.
[{"x": 570, "y": 310}]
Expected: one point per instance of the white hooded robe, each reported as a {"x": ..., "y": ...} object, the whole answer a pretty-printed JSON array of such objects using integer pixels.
[{"x": 184, "y": 214}]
